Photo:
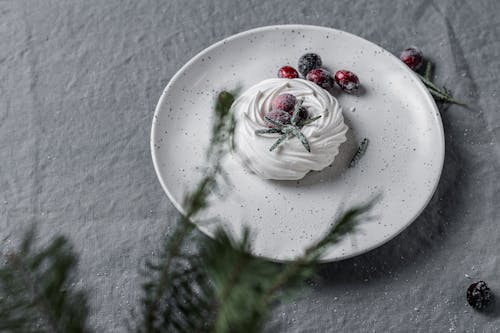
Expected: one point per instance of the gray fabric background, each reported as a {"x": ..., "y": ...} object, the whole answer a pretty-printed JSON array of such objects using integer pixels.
[{"x": 79, "y": 81}]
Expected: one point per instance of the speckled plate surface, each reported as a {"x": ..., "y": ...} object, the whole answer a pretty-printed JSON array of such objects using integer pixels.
[{"x": 395, "y": 112}]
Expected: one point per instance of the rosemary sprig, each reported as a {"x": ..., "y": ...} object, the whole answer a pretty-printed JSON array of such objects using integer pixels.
[
  {"x": 274, "y": 122},
  {"x": 308, "y": 121},
  {"x": 302, "y": 139},
  {"x": 282, "y": 138},
  {"x": 267, "y": 131},
  {"x": 359, "y": 152},
  {"x": 288, "y": 131},
  {"x": 428, "y": 70},
  {"x": 441, "y": 94},
  {"x": 296, "y": 111}
]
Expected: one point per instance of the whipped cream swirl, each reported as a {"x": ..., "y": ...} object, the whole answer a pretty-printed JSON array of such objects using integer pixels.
[{"x": 289, "y": 160}]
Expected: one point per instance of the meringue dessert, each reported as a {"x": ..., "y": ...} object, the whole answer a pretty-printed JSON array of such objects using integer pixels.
[{"x": 286, "y": 128}]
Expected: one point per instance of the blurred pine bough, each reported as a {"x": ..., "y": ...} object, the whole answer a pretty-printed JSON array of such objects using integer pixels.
[{"x": 216, "y": 287}]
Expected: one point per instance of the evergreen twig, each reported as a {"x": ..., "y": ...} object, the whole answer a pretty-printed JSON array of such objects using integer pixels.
[
  {"x": 36, "y": 289},
  {"x": 217, "y": 286},
  {"x": 157, "y": 289},
  {"x": 235, "y": 289}
]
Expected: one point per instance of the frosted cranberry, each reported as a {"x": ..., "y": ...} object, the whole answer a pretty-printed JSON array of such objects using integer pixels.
[
  {"x": 308, "y": 62},
  {"x": 479, "y": 295},
  {"x": 321, "y": 77},
  {"x": 280, "y": 116},
  {"x": 412, "y": 57},
  {"x": 288, "y": 72},
  {"x": 347, "y": 81},
  {"x": 285, "y": 102}
]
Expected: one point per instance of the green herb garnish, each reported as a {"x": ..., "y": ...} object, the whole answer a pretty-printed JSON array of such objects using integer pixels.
[
  {"x": 440, "y": 94},
  {"x": 288, "y": 131},
  {"x": 359, "y": 152}
]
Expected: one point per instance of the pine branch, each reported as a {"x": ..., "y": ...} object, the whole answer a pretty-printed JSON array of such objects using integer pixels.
[
  {"x": 245, "y": 287},
  {"x": 302, "y": 267},
  {"x": 155, "y": 291},
  {"x": 238, "y": 280},
  {"x": 37, "y": 294},
  {"x": 159, "y": 289},
  {"x": 219, "y": 287}
]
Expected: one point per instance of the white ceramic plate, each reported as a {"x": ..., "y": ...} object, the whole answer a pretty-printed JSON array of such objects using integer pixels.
[{"x": 396, "y": 113}]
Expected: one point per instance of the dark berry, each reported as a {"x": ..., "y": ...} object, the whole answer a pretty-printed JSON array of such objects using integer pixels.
[
  {"x": 285, "y": 102},
  {"x": 308, "y": 62},
  {"x": 412, "y": 57},
  {"x": 479, "y": 295},
  {"x": 321, "y": 77},
  {"x": 288, "y": 72},
  {"x": 303, "y": 113},
  {"x": 278, "y": 115},
  {"x": 347, "y": 81}
]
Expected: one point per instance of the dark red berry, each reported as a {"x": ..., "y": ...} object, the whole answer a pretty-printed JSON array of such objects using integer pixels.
[
  {"x": 412, "y": 57},
  {"x": 285, "y": 102},
  {"x": 321, "y": 77},
  {"x": 308, "y": 62},
  {"x": 303, "y": 113},
  {"x": 278, "y": 115},
  {"x": 288, "y": 72},
  {"x": 479, "y": 295},
  {"x": 347, "y": 81}
]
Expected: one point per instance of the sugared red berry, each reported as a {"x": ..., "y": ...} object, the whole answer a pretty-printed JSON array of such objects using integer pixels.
[
  {"x": 308, "y": 62},
  {"x": 347, "y": 81},
  {"x": 412, "y": 57},
  {"x": 321, "y": 77},
  {"x": 278, "y": 115},
  {"x": 288, "y": 72},
  {"x": 479, "y": 295},
  {"x": 285, "y": 102}
]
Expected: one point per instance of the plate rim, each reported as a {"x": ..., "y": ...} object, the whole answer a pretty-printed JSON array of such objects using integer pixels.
[{"x": 419, "y": 84}]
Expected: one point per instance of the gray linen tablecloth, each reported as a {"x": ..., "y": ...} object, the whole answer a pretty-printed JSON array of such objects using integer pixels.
[{"x": 79, "y": 83}]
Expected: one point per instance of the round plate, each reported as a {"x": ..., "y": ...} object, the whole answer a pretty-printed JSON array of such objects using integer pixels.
[{"x": 394, "y": 111}]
